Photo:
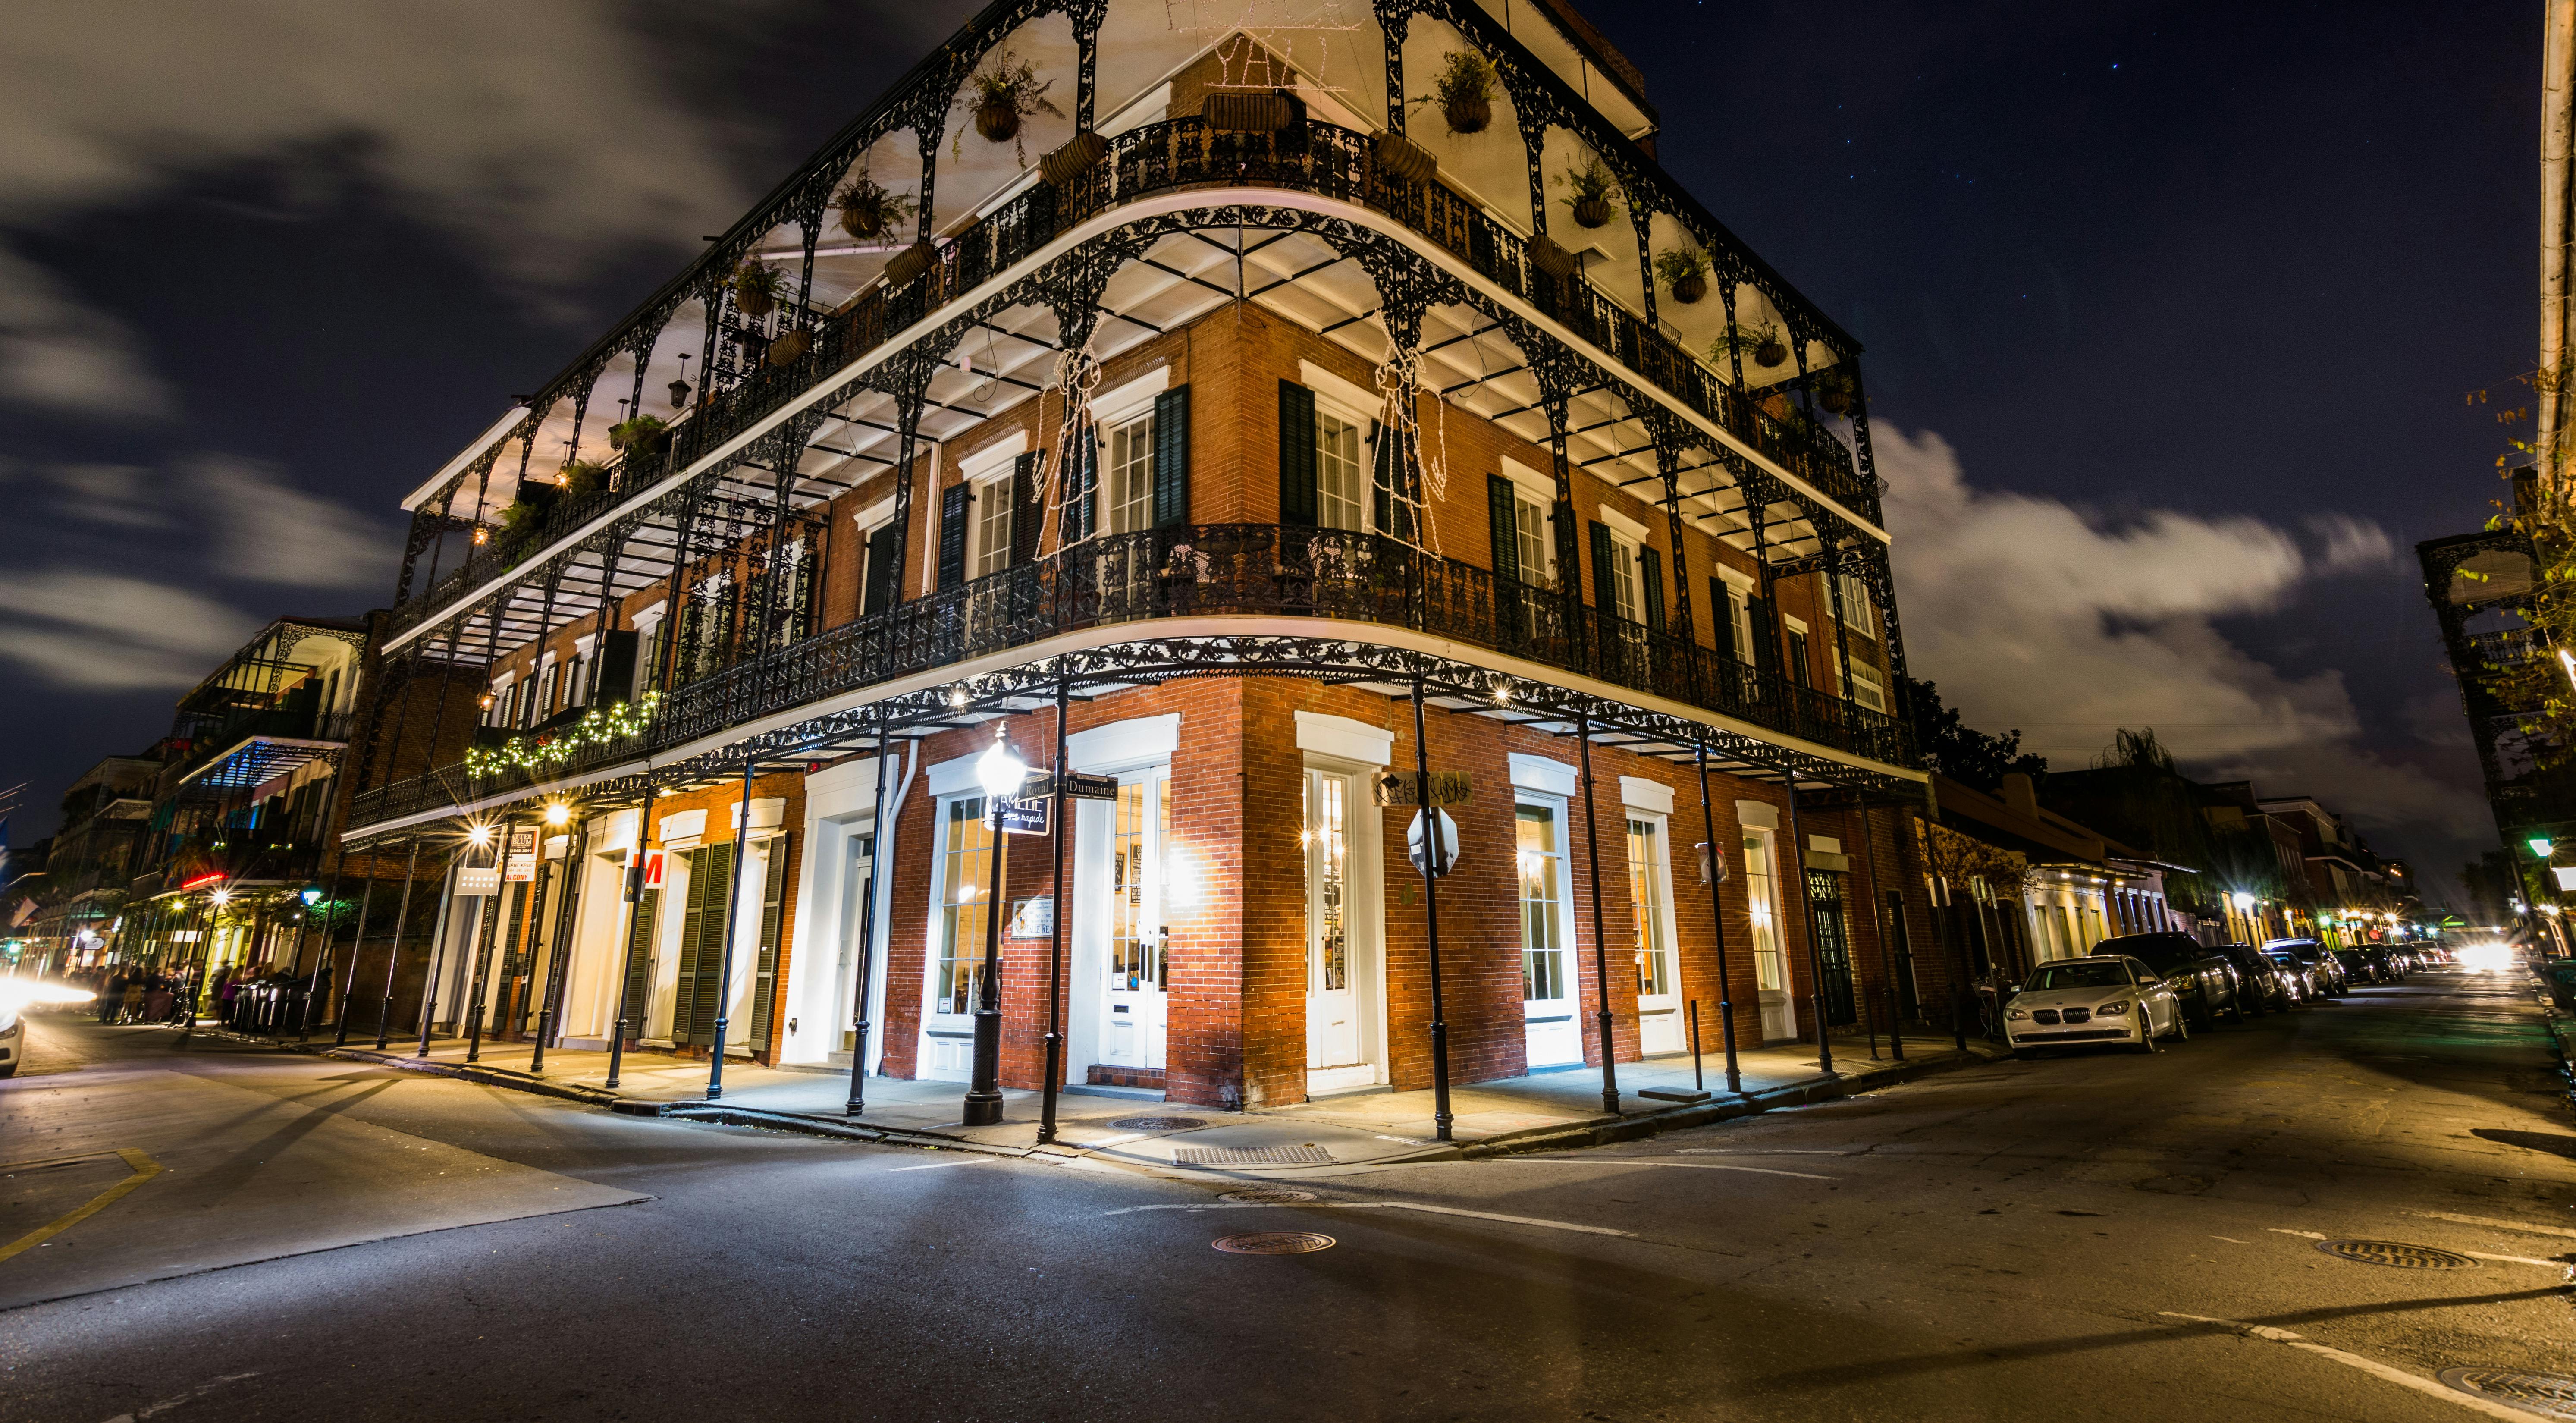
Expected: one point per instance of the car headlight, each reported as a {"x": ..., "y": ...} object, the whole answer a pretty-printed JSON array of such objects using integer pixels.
[
  {"x": 2112, "y": 1010},
  {"x": 2016, "y": 1015}
]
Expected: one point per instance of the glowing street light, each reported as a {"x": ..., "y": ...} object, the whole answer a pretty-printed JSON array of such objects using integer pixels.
[
  {"x": 2241, "y": 900},
  {"x": 558, "y": 814},
  {"x": 2540, "y": 845}
]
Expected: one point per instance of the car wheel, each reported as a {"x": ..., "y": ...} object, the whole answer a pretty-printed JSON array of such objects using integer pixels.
[
  {"x": 2182, "y": 1027},
  {"x": 2146, "y": 1042}
]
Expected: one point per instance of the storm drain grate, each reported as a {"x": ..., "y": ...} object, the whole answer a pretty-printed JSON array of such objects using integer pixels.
[
  {"x": 1268, "y": 1198},
  {"x": 2545, "y": 1394},
  {"x": 1273, "y": 1242},
  {"x": 2398, "y": 1254},
  {"x": 1252, "y": 1156},
  {"x": 1157, "y": 1123}
]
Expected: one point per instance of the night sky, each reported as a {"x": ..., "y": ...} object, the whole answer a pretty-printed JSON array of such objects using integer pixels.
[{"x": 2170, "y": 313}]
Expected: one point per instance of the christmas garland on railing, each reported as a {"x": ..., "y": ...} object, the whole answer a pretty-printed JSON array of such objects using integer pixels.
[{"x": 600, "y": 726}]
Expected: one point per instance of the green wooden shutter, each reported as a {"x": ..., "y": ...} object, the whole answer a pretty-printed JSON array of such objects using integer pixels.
[
  {"x": 1172, "y": 457},
  {"x": 1296, "y": 453},
  {"x": 639, "y": 960},
  {"x": 1721, "y": 616},
  {"x": 693, "y": 1015},
  {"x": 1650, "y": 586},
  {"x": 1082, "y": 494},
  {"x": 1502, "y": 507},
  {"x": 1028, "y": 506},
  {"x": 764, "y": 976},
  {"x": 1604, "y": 600},
  {"x": 693, "y": 923},
  {"x": 1766, "y": 637},
  {"x": 952, "y": 534}
]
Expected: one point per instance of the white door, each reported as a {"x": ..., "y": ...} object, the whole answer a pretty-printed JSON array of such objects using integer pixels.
[
  {"x": 1659, "y": 996},
  {"x": 1770, "y": 958},
  {"x": 858, "y": 888},
  {"x": 1547, "y": 987},
  {"x": 1132, "y": 1005},
  {"x": 1334, "y": 1056},
  {"x": 963, "y": 868}
]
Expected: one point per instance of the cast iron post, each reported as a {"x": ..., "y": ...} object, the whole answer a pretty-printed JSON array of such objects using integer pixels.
[
  {"x": 1432, "y": 869},
  {"x": 877, "y": 869},
  {"x": 984, "y": 1093},
  {"x": 1600, "y": 957},
  {"x": 1815, "y": 955},
  {"x": 724, "y": 959},
  {"x": 1717, "y": 923},
  {"x": 1058, "y": 814}
]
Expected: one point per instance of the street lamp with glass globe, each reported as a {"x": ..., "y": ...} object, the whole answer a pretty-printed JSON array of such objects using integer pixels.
[{"x": 1002, "y": 774}]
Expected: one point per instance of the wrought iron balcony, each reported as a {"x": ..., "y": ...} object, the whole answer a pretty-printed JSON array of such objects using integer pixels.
[
  {"x": 1346, "y": 582},
  {"x": 1154, "y": 159},
  {"x": 253, "y": 745}
]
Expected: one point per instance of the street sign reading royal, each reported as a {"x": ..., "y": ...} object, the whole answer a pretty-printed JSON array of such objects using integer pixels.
[{"x": 1398, "y": 788}]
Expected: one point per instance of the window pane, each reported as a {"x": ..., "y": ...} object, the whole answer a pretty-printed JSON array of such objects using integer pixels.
[
  {"x": 962, "y": 874},
  {"x": 1531, "y": 525},
  {"x": 1130, "y": 476},
  {"x": 1655, "y": 973},
  {"x": 1761, "y": 905},
  {"x": 992, "y": 527},
  {"x": 1341, "y": 477},
  {"x": 1542, "y": 949}
]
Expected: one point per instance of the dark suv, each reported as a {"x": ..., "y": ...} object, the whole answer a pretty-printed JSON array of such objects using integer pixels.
[{"x": 2202, "y": 978}]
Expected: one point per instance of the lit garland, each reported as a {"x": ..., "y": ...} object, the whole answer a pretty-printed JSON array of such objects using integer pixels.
[{"x": 600, "y": 726}]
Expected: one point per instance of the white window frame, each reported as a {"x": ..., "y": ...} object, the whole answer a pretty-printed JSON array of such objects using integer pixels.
[
  {"x": 1329, "y": 406},
  {"x": 1627, "y": 584},
  {"x": 988, "y": 496},
  {"x": 1859, "y": 614},
  {"x": 1533, "y": 491},
  {"x": 987, "y": 476},
  {"x": 498, "y": 714},
  {"x": 1864, "y": 679},
  {"x": 1127, "y": 508}
]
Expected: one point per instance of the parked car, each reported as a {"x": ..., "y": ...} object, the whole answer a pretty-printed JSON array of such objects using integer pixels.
[
  {"x": 2258, "y": 979},
  {"x": 2358, "y": 967},
  {"x": 2100, "y": 998},
  {"x": 2300, "y": 979},
  {"x": 2331, "y": 980},
  {"x": 2202, "y": 977}
]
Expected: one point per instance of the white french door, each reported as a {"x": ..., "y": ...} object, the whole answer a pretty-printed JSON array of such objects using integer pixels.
[
  {"x": 962, "y": 861},
  {"x": 1770, "y": 953},
  {"x": 1338, "y": 937},
  {"x": 1136, "y": 992},
  {"x": 1659, "y": 995},
  {"x": 1548, "y": 1008}
]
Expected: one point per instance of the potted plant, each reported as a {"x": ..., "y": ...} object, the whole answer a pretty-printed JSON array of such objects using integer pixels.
[
  {"x": 1591, "y": 191},
  {"x": 1001, "y": 95},
  {"x": 1751, "y": 341},
  {"x": 788, "y": 349},
  {"x": 756, "y": 289},
  {"x": 581, "y": 478},
  {"x": 1464, "y": 91},
  {"x": 1835, "y": 389},
  {"x": 868, "y": 210},
  {"x": 517, "y": 514},
  {"x": 643, "y": 435},
  {"x": 1685, "y": 272}
]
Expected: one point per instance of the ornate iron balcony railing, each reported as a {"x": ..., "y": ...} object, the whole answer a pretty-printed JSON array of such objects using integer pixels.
[
  {"x": 1208, "y": 570},
  {"x": 1154, "y": 159}
]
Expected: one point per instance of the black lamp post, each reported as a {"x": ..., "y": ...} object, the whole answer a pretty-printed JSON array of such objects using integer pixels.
[{"x": 1002, "y": 773}]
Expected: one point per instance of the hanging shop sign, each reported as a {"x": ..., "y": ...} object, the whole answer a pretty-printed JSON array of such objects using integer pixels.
[
  {"x": 475, "y": 882},
  {"x": 1023, "y": 814},
  {"x": 1399, "y": 788}
]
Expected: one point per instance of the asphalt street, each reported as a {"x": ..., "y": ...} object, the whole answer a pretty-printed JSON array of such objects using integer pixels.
[{"x": 2082, "y": 1236}]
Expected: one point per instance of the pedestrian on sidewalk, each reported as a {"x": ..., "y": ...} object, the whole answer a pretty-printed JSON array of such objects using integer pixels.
[
  {"x": 157, "y": 999},
  {"x": 111, "y": 998},
  {"x": 130, "y": 1010}
]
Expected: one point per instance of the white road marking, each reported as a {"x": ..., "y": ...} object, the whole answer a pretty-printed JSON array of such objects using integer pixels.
[
  {"x": 2397, "y": 1376},
  {"x": 1422, "y": 1206},
  {"x": 2513, "y": 1225},
  {"x": 1762, "y": 1151},
  {"x": 1656, "y": 1161},
  {"x": 931, "y": 1167},
  {"x": 1111, "y": 1141},
  {"x": 2232, "y": 1240}
]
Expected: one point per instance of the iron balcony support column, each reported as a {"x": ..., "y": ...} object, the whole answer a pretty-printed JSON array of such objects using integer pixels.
[
  {"x": 633, "y": 881},
  {"x": 1057, "y": 831},
  {"x": 567, "y": 907},
  {"x": 321, "y": 951},
  {"x": 1717, "y": 926},
  {"x": 724, "y": 959},
  {"x": 984, "y": 1093},
  {"x": 437, "y": 950},
  {"x": 393, "y": 957},
  {"x": 1600, "y": 956},
  {"x": 877, "y": 868},
  {"x": 357, "y": 946},
  {"x": 1432, "y": 869},
  {"x": 497, "y": 903},
  {"x": 1886, "y": 948},
  {"x": 1815, "y": 951}
]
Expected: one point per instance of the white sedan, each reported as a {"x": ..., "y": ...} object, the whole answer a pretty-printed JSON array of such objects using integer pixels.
[{"x": 2101, "y": 998}]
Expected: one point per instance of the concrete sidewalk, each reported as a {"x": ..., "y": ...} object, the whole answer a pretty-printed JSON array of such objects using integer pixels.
[{"x": 1546, "y": 1110}]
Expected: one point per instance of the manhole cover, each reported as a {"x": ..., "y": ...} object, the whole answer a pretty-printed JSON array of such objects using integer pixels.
[
  {"x": 1269, "y": 1198},
  {"x": 1273, "y": 1242},
  {"x": 1252, "y": 1156},
  {"x": 2545, "y": 1394},
  {"x": 1157, "y": 1123},
  {"x": 2398, "y": 1254}
]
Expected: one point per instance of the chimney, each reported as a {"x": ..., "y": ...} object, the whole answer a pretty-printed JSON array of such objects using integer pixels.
[{"x": 2020, "y": 796}]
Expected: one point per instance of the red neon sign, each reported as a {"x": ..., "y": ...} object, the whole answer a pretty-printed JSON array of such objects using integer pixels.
[
  {"x": 652, "y": 869},
  {"x": 202, "y": 879}
]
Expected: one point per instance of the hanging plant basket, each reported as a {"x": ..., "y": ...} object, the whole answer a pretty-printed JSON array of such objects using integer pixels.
[
  {"x": 1401, "y": 160},
  {"x": 1550, "y": 258},
  {"x": 789, "y": 348},
  {"x": 1685, "y": 272},
  {"x": 644, "y": 434},
  {"x": 1835, "y": 390},
  {"x": 1464, "y": 91},
  {"x": 1771, "y": 354},
  {"x": 756, "y": 289},
  {"x": 1066, "y": 165},
  {"x": 908, "y": 265},
  {"x": 1690, "y": 289},
  {"x": 869, "y": 211},
  {"x": 997, "y": 120},
  {"x": 1592, "y": 212},
  {"x": 999, "y": 97},
  {"x": 1591, "y": 192}
]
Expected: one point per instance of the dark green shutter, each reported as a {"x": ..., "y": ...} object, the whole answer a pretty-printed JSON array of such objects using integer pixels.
[
  {"x": 1721, "y": 616},
  {"x": 1028, "y": 506},
  {"x": 1502, "y": 515},
  {"x": 1081, "y": 496},
  {"x": 701, "y": 987},
  {"x": 1604, "y": 601},
  {"x": 952, "y": 534},
  {"x": 1172, "y": 458},
  {"x": 639, "y": 960},
  {"x": 881, "y": 591},
  {"x": 1650, "y": 586},
  {"x": 764, "y": 981},
  {"x": 1296, "y": 453},
  {"x": 1766, "y": 637}
]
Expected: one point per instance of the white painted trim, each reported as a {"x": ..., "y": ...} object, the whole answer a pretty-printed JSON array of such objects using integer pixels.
[
  {"x": 1544, "y": 774},
  {"x": 956, "y": 775},
  {"x": 1644, "y": 794},
  {"x": 875, "y": 516},
  {"x": 1795, "y": 625},
  {"x": 1541, "y": 488},
  {"x": 1341, "y": 392},
  {"x": 767, "y": 813},
  {"x": 651, "y": 612},
  {"x": 680, "y": 825},
  {"x": 1827, "y": 844},
  {"x": 1134, "y": 398},
  {"x": 1757, "y": 815},
  {"x": 1340, "y": 736},
  {"x": 1149, "y": 107},
  {"x": 990, "y": 462},
  {"x": 1737, "y": 579},
  {"x": 1622, "y": 523},
  {"x": 1127, "y": 745}
]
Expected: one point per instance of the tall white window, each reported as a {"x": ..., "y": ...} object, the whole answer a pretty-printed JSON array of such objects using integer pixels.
[
  {"x": 1543, "y": 974},
  {"x": 965, "y": 850},
  {"x": 1859, "y": 614},
  {"x": 1529, "y": 524},
  {"x": 1128, "y": 481},
  {"x": 1655, "y": 972},
  {"x": 1624, "y": 598},
  {"x": 1762, "y": 905},
  {"x": 992, "y": 527},
  {"x": 1341, "y": 473},
  {"x": 1866, "y": 689}
]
